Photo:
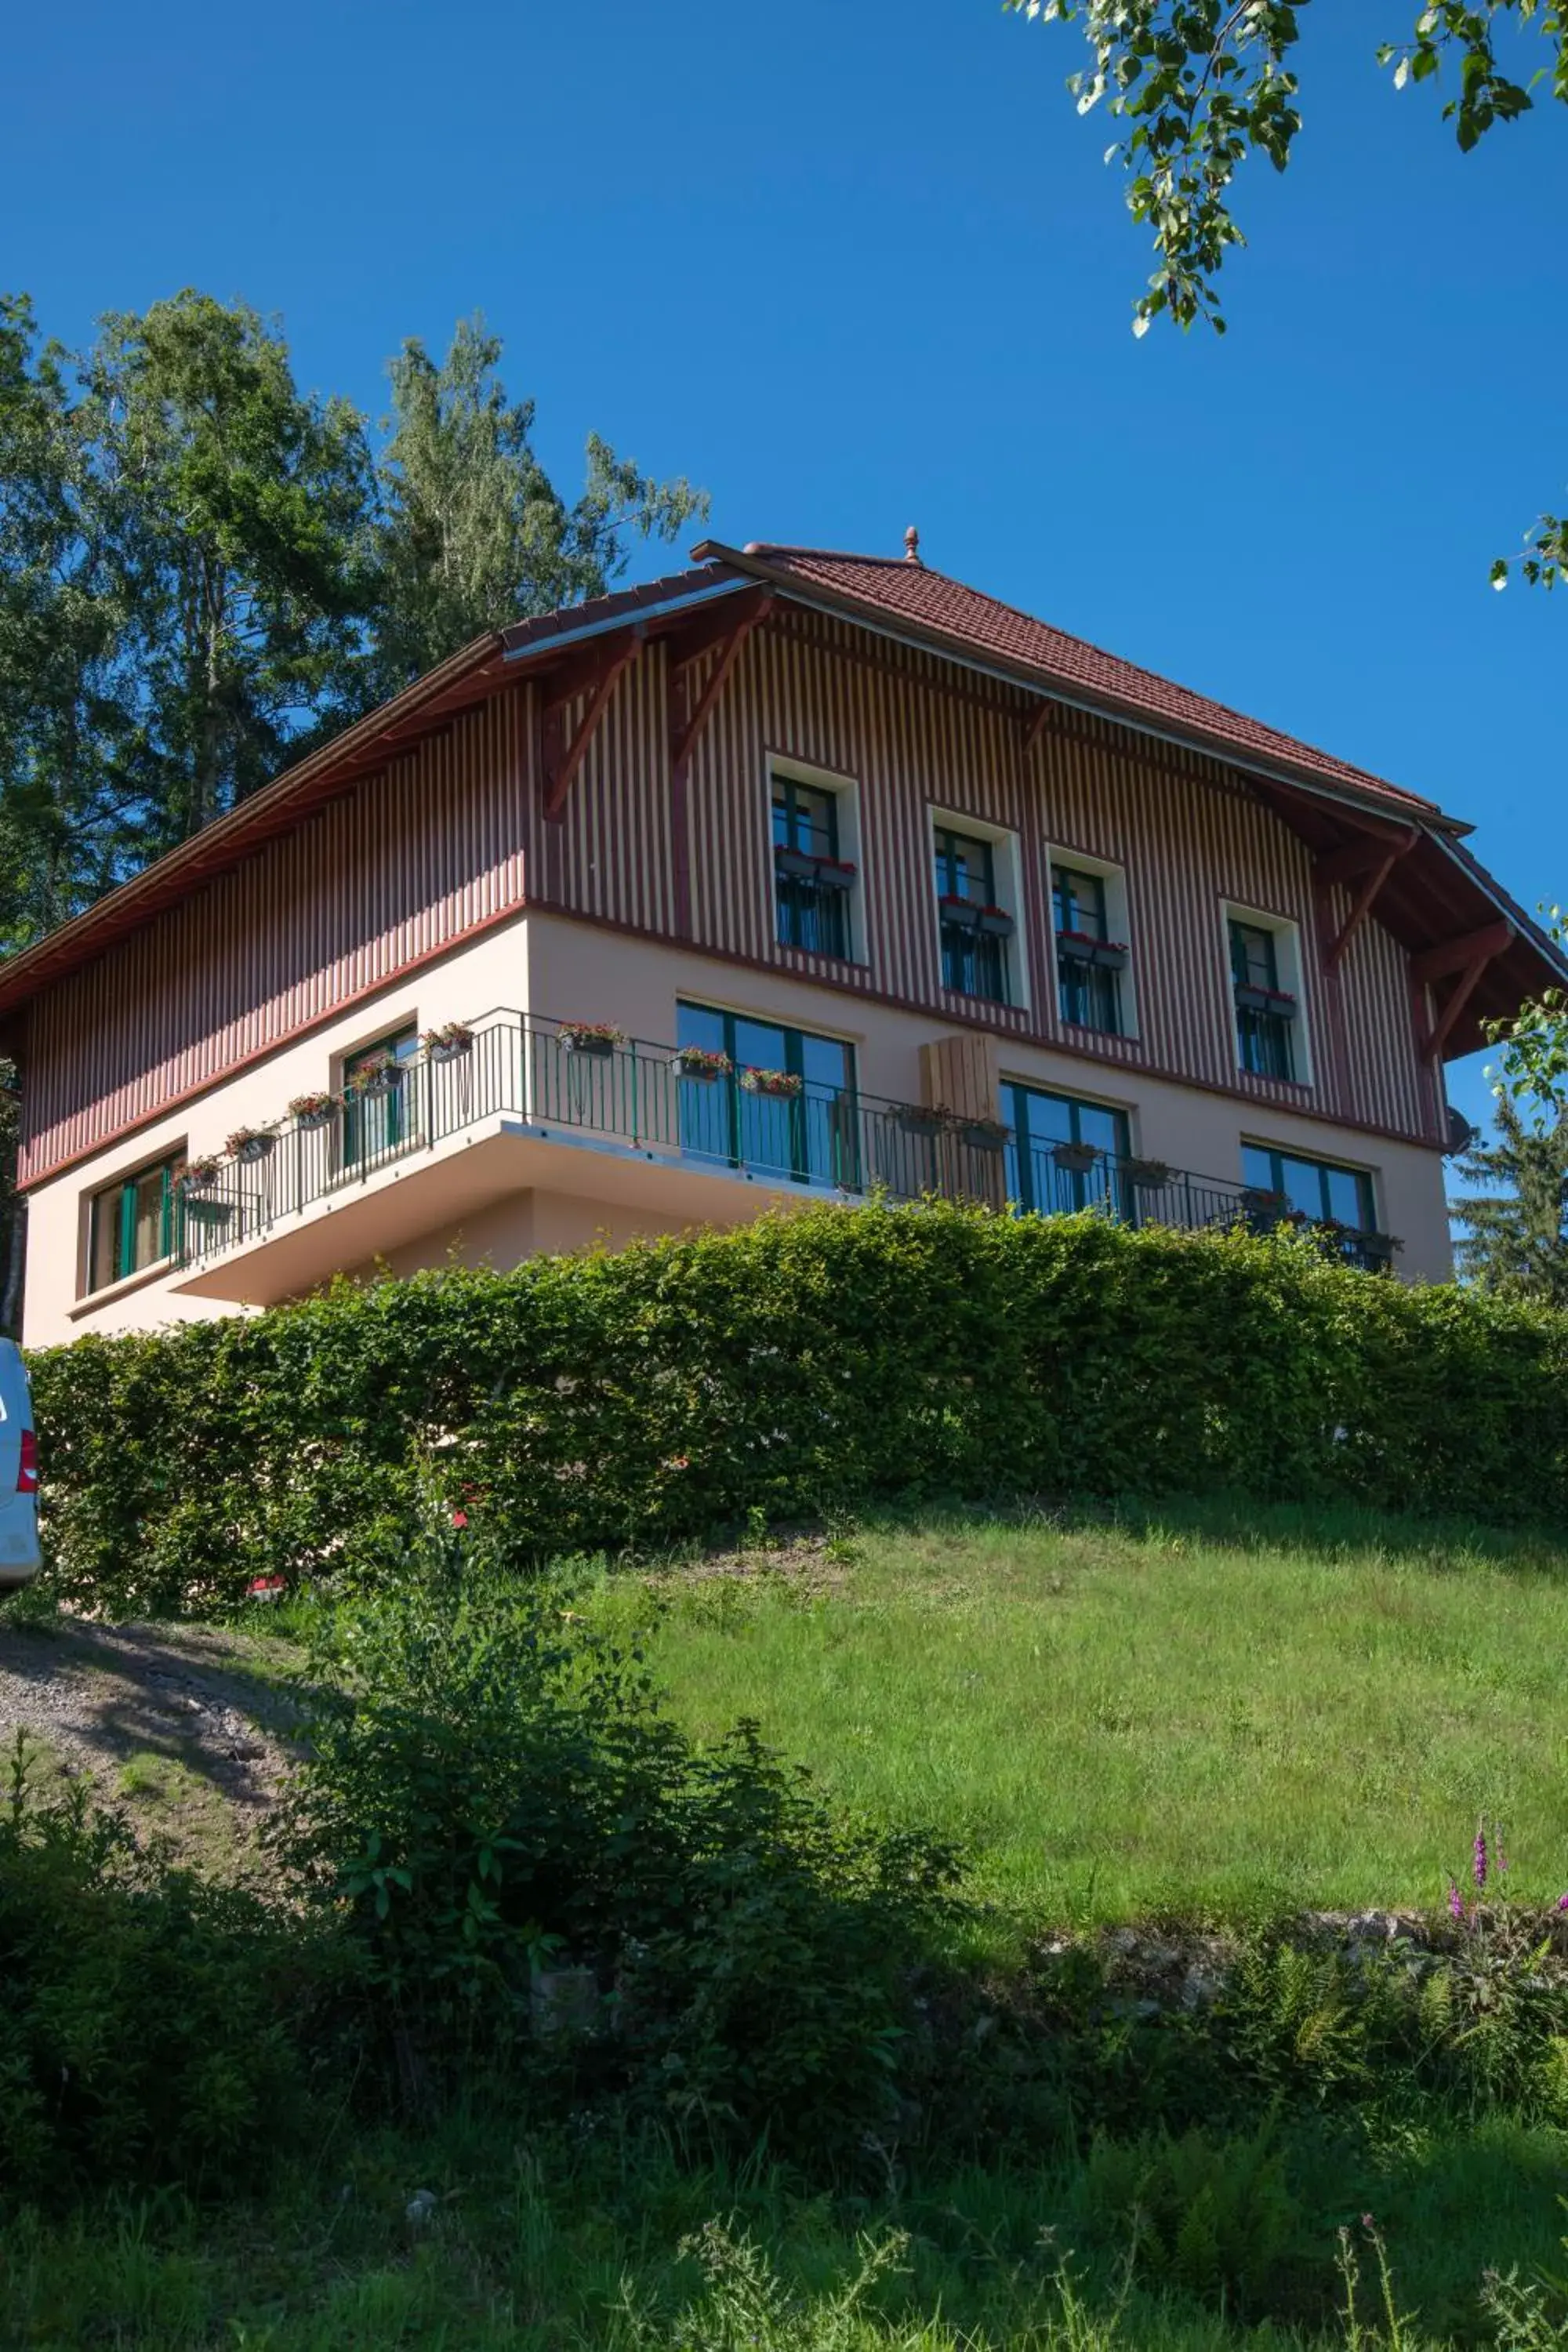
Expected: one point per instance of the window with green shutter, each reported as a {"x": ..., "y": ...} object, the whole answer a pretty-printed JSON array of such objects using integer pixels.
[{"x": 130, "y": 1222}]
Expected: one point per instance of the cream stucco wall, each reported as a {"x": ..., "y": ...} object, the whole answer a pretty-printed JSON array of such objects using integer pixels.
[
  {"x": 567, "y": 970},
  {"x": 595, "y": 975}
]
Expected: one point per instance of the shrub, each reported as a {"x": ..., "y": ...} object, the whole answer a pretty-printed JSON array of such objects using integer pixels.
[
  {"x": 152, "y": 2027},
  {"x": 796, "y": 1367},
  {"x": 497, "y": 1799}
]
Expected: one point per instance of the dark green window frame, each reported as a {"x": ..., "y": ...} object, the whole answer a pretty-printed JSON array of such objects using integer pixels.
[
  {"x": 115, "y": 1232},
  {"x": 1089, "y": 996},
  {"x": 971, "y": 963},
  {"x": 372, "y": 1124},
  {"x": 805, "y": 818},
  {"x": 821, "y": 1123},
  {"x": 1266, "y": 1043},
  {"x": 1047, "y": 1190},
  {"x": 1264, "y": 1168}
]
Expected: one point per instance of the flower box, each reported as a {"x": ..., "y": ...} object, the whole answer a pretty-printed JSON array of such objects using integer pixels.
[
  {"x": 1263, "y": 1210},
  {"x": 835, "y": 874},
  {"x": 995, "y": 923},
  {"x": 199, "y": 1175},
  {"x": 1076, "y": 1159},
  {"x": 206, "y": 1209},
  {"x": 962, "y": 914},
  {"x": 1278, "y": 1000},
  {"x": 449, "y": 1043},
  {"x": 1079, "y": 946},
  {"x": 313, "y": 1110},
  {"x": 783, "y": 1082},
  {"x": 920, "y": 1118},
  {"x": 250, "y": 1144},
  {"x": 381, "y": 1075},
  {"x": 698, "y": 1061},
  {"x": 983, "y": 1134},
  {"x": 794, "y": 865},
  {"x": 598, "y": 1038},
  {"x": 1147, "y": 1175}
]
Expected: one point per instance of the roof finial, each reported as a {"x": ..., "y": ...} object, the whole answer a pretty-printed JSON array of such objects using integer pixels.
[{"x": 912, "y": 545}]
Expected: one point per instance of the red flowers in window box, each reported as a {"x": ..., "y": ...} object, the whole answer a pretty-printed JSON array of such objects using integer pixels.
[
  {"x": 785, "y": 1082},
  {"x": 599, "y": 1037}
]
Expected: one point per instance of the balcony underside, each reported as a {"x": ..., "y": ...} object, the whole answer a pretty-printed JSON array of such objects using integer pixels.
[{"x": 435, "y": 1191}]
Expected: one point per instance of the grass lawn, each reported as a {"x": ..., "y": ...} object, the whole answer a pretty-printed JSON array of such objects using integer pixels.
[{"x": 1202, "y": 1710}]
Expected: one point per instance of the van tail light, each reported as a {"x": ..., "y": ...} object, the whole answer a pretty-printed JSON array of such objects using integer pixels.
[{"x": 28, "y": 1468}]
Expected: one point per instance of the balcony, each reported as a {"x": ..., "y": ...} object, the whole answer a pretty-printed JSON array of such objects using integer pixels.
[{"x": 524, "y": 1101}]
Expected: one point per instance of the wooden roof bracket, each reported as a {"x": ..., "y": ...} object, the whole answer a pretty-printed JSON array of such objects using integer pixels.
[
  {"x": 1373, "y": 858},
  {"x": 596, "y": 676},
  {"x": 1468, "y": 957},
  {"x": 728, "y": 630},
  {"x": 1048, "y": 714}
]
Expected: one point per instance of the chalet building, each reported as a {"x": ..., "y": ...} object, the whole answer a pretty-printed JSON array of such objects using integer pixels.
[{"x": 796, "y": 874}]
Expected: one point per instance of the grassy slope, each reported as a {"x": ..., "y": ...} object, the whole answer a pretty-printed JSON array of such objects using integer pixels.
[{"x": 1188, "y": 1713}]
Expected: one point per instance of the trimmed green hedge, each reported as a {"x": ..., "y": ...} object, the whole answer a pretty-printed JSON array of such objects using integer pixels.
[{"x": 800, "y": 1365}]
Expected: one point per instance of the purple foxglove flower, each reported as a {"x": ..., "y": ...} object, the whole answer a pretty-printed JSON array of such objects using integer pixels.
[
  {"x": 1480, "y": 1859},
  {"x": 1456, "y": 1901},
  {"x": 1563, "y": 1903}
]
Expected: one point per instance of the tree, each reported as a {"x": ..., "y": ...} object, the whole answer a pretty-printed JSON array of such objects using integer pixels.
[
  {"x": 68, "y": 702},
  {"x": 245, "y": 510},
  {"x": 1516, "y": 1237},
  {"x": 472, "y": 534},
  {"x": 1199, "y": 85}
]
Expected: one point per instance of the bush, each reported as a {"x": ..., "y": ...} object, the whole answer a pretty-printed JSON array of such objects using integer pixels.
[
  {"x": 522, "y": 1841},
  {"x": 150, "y": 2027},
  {"x": 795, "y": 1367}
]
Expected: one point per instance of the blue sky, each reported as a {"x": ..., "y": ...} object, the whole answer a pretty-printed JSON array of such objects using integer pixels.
[{"x": 855, "y": 266}]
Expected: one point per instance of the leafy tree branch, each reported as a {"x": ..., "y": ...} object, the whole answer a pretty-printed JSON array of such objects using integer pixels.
[{"x": 1197, "y": 86}]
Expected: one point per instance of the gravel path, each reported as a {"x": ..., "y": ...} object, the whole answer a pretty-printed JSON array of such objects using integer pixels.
[{"x": 190, "y": 1699}]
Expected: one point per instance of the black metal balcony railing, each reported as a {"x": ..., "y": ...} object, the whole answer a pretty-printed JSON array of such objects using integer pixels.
[{"x": 638, "y": 1097}]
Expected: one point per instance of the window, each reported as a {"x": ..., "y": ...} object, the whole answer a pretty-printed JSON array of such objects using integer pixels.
[
  {"x": 809, "y": 1131},
  {"x": 1264, "y": 988},
  {"x": 1327, "y": 1194},
  {"x": 1090, "y": 960},
  {"x": 813, "y": 879},
  {"x": 130, "y": 1222},
  {"x": 1315, "y": 1187},
  {"x": 379, "y": 1122},
  {"x": 1063, "y": 1154},
  {"x": 976, "y": 930}
]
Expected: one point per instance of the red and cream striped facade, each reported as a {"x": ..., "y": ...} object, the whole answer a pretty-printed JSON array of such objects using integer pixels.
[
  {"x": 398, "y": 868},
  {"x": 452, "y": 837}
]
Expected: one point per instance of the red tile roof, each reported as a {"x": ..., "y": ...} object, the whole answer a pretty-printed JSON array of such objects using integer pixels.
[{"x": 935, "y": 606}]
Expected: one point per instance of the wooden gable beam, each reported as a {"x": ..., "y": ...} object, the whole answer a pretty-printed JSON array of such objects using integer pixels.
[
  {"x": 597, "y": 677},
  {"x": 1374, "y": 861},
  {"x": 685, "y": 735},
  {"x": 1461, "y": 954}
]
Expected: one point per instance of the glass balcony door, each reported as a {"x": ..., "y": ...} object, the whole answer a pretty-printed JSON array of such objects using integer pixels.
[{"x": 808, "y": 1132}]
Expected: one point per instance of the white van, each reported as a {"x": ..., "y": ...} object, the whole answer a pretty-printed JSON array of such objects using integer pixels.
[{"x": 19, "y": 1556}]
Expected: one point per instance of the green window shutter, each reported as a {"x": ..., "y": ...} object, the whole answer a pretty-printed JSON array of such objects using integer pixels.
[{"x": 125, "y": 1255}]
